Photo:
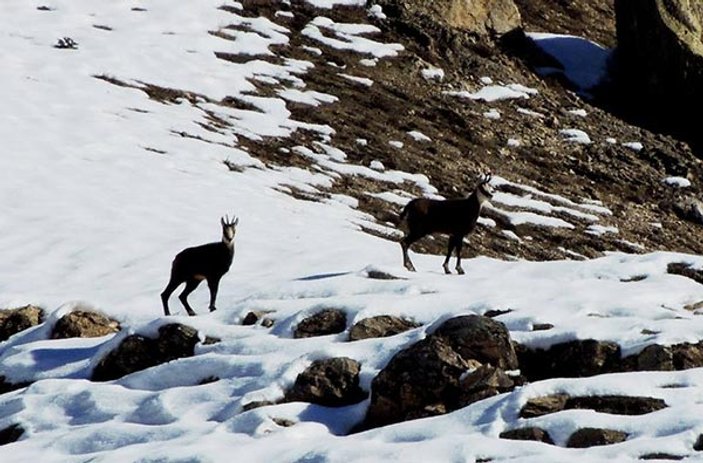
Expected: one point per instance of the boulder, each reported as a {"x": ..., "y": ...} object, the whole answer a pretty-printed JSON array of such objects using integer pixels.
[
  {"x": 590, "y": 437},
  {"x": 655, "y": 358},
  {"x": 422, "y": 380},
  {"x": 137, "y": 352},
  {"x": 379, "y": 327},
  {"x": 327, "y": 321},
  {"x": 570, "y": 360},
  {"x": 84, "y": 324},
  {"x": 616, "y": 404},
  {"x": 540, "y": 406},
  {"x": 12, "y": 321},
  {"x": 531, "y": 433},
  {"x": 461, "y": 362},
  {"x": 494, "y": 17},
  {"x": 331, "y": 382},
  {"x": 480, "y": 338}
]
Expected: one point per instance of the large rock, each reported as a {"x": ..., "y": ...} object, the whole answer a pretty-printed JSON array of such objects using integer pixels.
[
  {"x": 84, "y": 324},
  {"x": 137, "y": 352},
  {"x": 447, "y": 370},
  {"x": 327, "y": 321},
  {"x": 331, "y": 382},
  {"x": 379, "y": 327},
  {"x": 11, "y": 434},
  {"x": 476, "y": 16},
  {"x": 12, "y": 321},
  {"x": 480, "y": 338},
  {"x": 590, "y": 437},
  {"x": 531, "y": 433},
  {"x": 660, "y": 55}
]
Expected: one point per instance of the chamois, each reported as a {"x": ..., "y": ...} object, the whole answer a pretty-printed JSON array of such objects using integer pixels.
[
  {"x": 453, "y": 217},
  {"x": 207, "y": 262}
]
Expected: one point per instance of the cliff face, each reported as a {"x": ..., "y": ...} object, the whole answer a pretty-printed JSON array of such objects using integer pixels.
[{"x": 660, "y": 56}]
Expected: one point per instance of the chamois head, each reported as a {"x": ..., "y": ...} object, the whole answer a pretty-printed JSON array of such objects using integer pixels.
[
  {"x": 484, "y": 190},
  {"x": 229, "y": 229}
]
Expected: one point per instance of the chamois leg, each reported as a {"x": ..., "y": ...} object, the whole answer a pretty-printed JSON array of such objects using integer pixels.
[
  {"x": 170, "y": 288},
  {"x": 213, "y": 284},
  {"x": 450, "y": 247},
  {"x": 405, "y": 245},
  {"x": 191, "y": 284},
  {"x": 458, "y": 245}
]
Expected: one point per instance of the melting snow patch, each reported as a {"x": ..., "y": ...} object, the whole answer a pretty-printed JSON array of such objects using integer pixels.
[
  {"x": 377, "y": 165},
  {"x": 362, "y": 142},
  {"x": 396, "y": 144},
  {"x": 358, "y": 80},
  {"x": 433, "y": 73},
  {"x": 486, "y": 80},
  {"x": 492, "y": 93},
  {"x": 576, "y": 136},
  {"x": 513, "y": 142},
  {"x": 611, "y": 140},
  {"x": 285, "y": 14},
  {"x": 368, "y": 62},
  {"x": 376, "y": 11},
  {"x": 312, "y": 50},
  {"x": 511, "y": 235},
  {"x": 678, "y": 182},
  {"x": 634, "y": 145},
  {"x": 492, "y": 114},
  {"x": 419, "y": 136},
  {"x": 529, "y": 112},
  {"x": 308, "y": 97},
  {"x": 349, "y": 37},
  {"x": 578, "y": 112},
  {"x": 600, "y": 230}
]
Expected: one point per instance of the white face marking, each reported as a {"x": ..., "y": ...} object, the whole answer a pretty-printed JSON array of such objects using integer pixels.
[
  {"x": 228, "y": 232},
  {"x": 482, "y": 197}
]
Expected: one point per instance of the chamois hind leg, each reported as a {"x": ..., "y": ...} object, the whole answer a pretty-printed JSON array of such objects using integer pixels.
[
  {"x": 458, "y": 245},
  {"x": 213, "y": 284},
  {"x": 170, "y": 288},
  {"x": 450, "y": 247},
  {"x": 191, "y": 284},
  {"x": 405, "y": 243}
]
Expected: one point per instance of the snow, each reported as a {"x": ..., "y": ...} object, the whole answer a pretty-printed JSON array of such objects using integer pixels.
[
  {"x": 491, "y": 93},
  {"x": 584, "y": 63},
  {"x": 634, "y": 145},
  {"x": 678, "y": 182},
  {"x": 514, "y": 142},
  {"x": 419, "y": 136},
  {"x": 349, "y": 37},
  {"x": 359, "y": 80},
  {"x": 433, "y": 73},
  {"x": 102, "y": 186},
  {"x": 576, "y": 136}
]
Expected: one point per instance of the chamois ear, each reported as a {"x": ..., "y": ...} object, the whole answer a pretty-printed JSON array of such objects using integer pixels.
[
  {"x": 487, "y": 177},
  {"x": 236, "y": 221}
]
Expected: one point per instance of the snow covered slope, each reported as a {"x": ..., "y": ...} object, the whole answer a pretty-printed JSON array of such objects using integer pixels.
[{"x": 102, "y": 185}]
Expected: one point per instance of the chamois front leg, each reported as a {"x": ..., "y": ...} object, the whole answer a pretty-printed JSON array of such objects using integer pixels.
[
  {"x": 405, "y": 245},
  {"x": 213, "y": 283},
  {"x": 191, "y": 284},
  {"x": 450, "y": 247}
]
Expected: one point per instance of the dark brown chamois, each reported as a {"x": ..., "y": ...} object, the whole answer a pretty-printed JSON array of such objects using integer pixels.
[
  {"x": 207, "y": 262},
  {"x": 453, "y": 217}
]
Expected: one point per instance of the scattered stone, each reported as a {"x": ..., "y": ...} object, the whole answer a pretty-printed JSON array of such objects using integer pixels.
[
  {"x": 496, "y": 312},
  {"x": 379, "y": 275},
  {"x": 331, "y": 382},
  {"x": 257, "y": 404},
  {"x": 11, "y": 434},
  {"x": 480, "y": 338},
  {"x": 542, "y": 326},
  {"x": 661, "y": 456},
  {"x": 267, "y": 322},
  {"x": 210, "y": 340},
  {"x": 690, "y": 209},
  {"x": 698, "y": 445},
  {"x": 590, "y": 437},
  {"x": 283, "y": 422},
  {"x": 208, "y": 380},
  {"x": 12, "y": 321},
  {"x": 254, "y": 316},
  {"x": 616, "y": 404},
  {"x": 379, "y": 327},
  {"x": 683, "y": 269},
  {"x": 540, "y": 406},
  {"x": 686, "y": 356},
  {"x": 6, "y": 386},
  {"x": 328, "y": 321},
  {"x": 531, "y": 433},
  {"x": 137, "y": 352},
  {"x": 84, "y": 324}
]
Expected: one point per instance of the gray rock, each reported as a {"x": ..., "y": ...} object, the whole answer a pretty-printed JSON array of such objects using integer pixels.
[
  {"x": 84, "y": 324},
  {"x": 591, "y": 437},
  {"x": 327, "y": 321},
  {"x": 331, "y": 382},
  {"x": 379, "y": 327},
  {"x": 12, "y": 321}
]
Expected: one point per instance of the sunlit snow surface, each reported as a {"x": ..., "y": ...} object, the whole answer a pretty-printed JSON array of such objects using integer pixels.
[{"x": 99, "y": 190}]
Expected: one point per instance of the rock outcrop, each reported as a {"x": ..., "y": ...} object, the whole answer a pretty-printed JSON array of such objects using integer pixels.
[
  {"x": 477, "y": 16},
  {"x": 462, "y": 362},
  {"x": 379, "y": 327},
  {"x": 12, "y": 321},
  {"x": 327, "y": 321},
  {"x": 137, "y": 352},
  {"x": 660, "y": 55},
  {"x": 84, "y": 324},
  {"x": 331, "y": 382}
]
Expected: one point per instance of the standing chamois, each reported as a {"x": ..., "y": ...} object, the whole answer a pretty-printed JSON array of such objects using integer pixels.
[
  {"x": 453, "y": 217},
  {"x": 207, "y": 262}
]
